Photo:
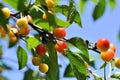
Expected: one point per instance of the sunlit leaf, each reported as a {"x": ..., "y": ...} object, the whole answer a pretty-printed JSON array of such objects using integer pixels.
[
  {"x": 73, "y": 15},
  {"x": 77, "y": 65},
  {"x": 37, "y": 2},
  {"x": 62, "y": 9},
  {"x": 13, "y": 3},
  {"x": 70, "y": 12},
  {"x": 80, "y": 44},
  {"x": 95, "y": 1},
  {"x": 112, "y": 4},
  {"x": 22, "y": 57},
  {"x": 68, "y": 71},
  {"x": 99, "y": 9},
  {"x": 116, "y": 75},
  {"x": 31, "y": 42},
  {"x": 82, "y": 5},
  {"x": 98, "y": 78},
  {"x": 62, "y": 23}
]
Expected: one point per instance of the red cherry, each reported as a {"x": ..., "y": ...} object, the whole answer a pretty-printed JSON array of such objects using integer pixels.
[
  {"x": 59, "y": 32},
  {"x": 103, "y": 44},
  {"x": 41, "y": 49},
  {"x": 61, "y": 46}
]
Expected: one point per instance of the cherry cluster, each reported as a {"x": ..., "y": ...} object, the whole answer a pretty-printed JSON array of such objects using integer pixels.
[{"x": 21, "y": 29}]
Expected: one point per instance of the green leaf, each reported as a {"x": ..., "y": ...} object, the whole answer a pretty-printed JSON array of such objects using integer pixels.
[
  {"x": 112, "y": 4},
  {"x": 29, "y": 75},
  {"x": 5, "y": 66},
  {"x": 73, "y": 15},
  {"x": 68, "y": 71},
  {"x": 62, "y": 9},
  {"x": 31, "y": 42},
  {"x": 36, "y": 13},
  {"x": 70, "y": 12},
  {"x": 98, "y": 78},
  {"x": 95, "y": 1},
  {"x": 12, "y": 44},
  {"x": 80, "y": 44},
  {"x": 3, "y": 20},
  {"x": 99, "y": 9},
  {"x": 22, "y": 5},
  {"x": 116, "y": 75},
  {"x": 62, "y": 23},
  {"x": 37, "y": 2},
  {"x": 51, "y": 19},
  {"x": 3, "y": 77},
  {"x": 22, "y": 57},
  {"x": 119, "y": 35},
  {"x": 13, "y": 3},
  {"x": 103, "y": 65},
  {"x": 1, "y": 48},
  {"x": 82, "y": 5},
  {"x": 77, "y": 65},
  {"x": 52, "y": 61}
]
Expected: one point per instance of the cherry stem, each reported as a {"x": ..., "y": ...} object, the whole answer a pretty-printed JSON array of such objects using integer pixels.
[
  {"x": 92, "y": 47},
  {"x": 105, "y": 72}
]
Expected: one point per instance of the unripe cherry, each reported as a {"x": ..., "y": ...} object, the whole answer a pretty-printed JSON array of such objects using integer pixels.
[
  {"x": 43, "y": 67},
  {"x": 6, "y": 12},
  {"x": 36, "y": 61},
  {"x": 117, "y": 62},
  {"x": 22, "y": 23},
  {"x": 41, "y": 50},
  {"x": 59, "y": 32},
  {"x": 103, "y": 44}
]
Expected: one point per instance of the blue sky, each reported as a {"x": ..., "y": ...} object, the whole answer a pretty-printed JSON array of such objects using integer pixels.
[{"x": 107, "y": 26}]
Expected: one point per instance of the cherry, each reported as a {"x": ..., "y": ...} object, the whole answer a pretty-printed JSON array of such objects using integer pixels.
[
  {"x": 22, "y": 23},
  {"x": 43, "y": 67},
  {"x": 117, "y": 62},
  {"x": 41, "y": 50},
  {"x": 61, "y": 46},
  {"x": 108, "y": 55},
  {"x": 50, "y": 3},
  {"x": 59, "y": 32},
  {"x": 103, "y": 44},
  {"x": 25, "y": 31},
  {"x": 36, "y": 61},
  {"x": 6, "y": 12}
]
